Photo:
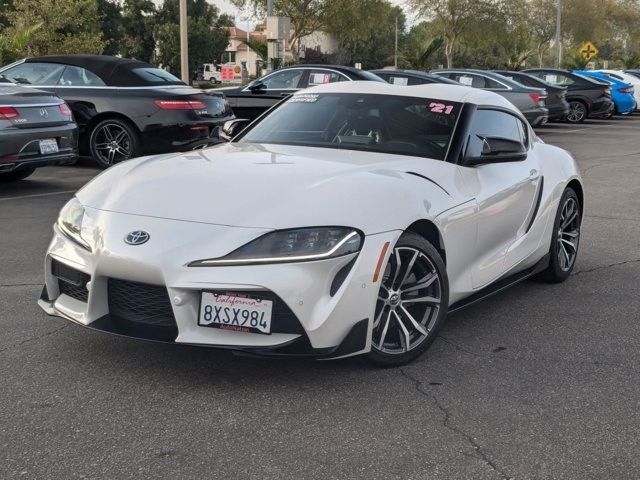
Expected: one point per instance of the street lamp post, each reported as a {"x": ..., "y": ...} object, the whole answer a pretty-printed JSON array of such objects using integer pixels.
[{"x": 184, "y": 43}]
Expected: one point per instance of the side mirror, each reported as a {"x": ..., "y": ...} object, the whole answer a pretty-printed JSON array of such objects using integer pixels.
[
  {"x": 257, "y": 87},
  {"x": 498, "y": 149},
  {"x": 231, "y": 128}
]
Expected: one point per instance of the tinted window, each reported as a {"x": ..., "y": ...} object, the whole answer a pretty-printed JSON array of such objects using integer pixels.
[
  {"x": 476, "y": 81},
  {"x": 320, "y": 77},
  {"x": 380, "y": 123},
  {"x": 493, "y": 123},
  {"x": 35, "y": 73},
  {"x": 156, "y": 76},
  {"x": 558, "y": 79},
  {"x": 285, "y": 79},
  {"x": 76, "y": 76}
]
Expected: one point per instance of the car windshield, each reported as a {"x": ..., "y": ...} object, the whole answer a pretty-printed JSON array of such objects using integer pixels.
[
  {"x": 157, "y": 76},
  {"x": 378, "y": 123}
]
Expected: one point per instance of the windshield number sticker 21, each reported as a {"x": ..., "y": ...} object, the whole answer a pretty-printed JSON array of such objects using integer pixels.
[{"x": 440, "y": 108}]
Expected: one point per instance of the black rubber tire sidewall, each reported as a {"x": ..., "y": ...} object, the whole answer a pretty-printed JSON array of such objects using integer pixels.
[
  {"x": 410, "y": 239},
  {"x": 553, "y": 273},
  {"x": 133, "y": 135}
]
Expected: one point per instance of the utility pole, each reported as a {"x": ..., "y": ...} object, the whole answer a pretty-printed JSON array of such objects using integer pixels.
[
  {"x": 269, "y": 42},
  {"x": 558, "y": 35},
  {"x": 184, "y": 43},
  {"x": 395, "y": 55}
]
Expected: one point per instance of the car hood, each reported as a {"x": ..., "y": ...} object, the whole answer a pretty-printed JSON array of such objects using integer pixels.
[{"x": 275, "y": 187}]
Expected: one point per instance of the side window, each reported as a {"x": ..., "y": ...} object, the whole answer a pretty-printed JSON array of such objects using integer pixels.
[
  {"x": 493, "y": 123},
  {"x": 285, "y": 79},
  {"x": 79, "y": 77},
  {"x": 320, "y": 77},
  {"x": 564, "y": 80},
  {"x": 35, "y": 73},
  {"x": 470, "y": 80},
  {"x": 396, "y": 80},
  {"x": 491, "y": 83}
]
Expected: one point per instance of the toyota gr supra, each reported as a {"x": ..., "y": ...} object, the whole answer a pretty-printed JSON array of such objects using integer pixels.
[{"x": 349, "y": 220}]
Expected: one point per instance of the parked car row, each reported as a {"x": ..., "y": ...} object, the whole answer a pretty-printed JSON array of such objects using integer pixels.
[{"x": 53, "y": 108}]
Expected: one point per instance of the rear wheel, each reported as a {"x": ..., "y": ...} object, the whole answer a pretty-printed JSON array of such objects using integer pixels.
[
  {"x": 16, "y": 175},
  {"x": 577, "y": 112},
  {"x": 565, "y": 239},
  {"x": 412, "y": 302},
  {"x": 113, "y": 141}
]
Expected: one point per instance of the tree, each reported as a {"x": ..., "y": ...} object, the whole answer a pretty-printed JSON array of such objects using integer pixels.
[
  {"x": 208, "y": 35},
  {"x": 14, "y": 44},
  {"x": 450, "y": 18},
  {"x": 69, "y": 26},
  {"x": 542, "y": 22},
  {"x": 420, "y": 48},
  {"x": 365, "y": 30},
  {"x": 110, "y": 17},
  {"x": 138, "y": 21},
  {"x": 307, "y": 16},
  {"x": 259, "y": 47}
]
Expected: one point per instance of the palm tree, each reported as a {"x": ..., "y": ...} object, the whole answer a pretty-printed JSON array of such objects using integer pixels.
[
  {"x": 421, "y": 58},
  {"x": 15, "y": 43},
  {"x": 259, "y": 47}
]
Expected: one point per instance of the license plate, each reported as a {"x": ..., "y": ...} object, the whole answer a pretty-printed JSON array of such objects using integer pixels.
[
  {"x": 234, "y": 312},
  {"x": 48, "y": 146}
]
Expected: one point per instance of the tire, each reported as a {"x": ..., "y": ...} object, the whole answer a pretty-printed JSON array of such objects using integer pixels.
[
  {"x": 403, "y": 328},
  {"x": 577, "y": 112},
  {"x": 565, "y": 240},
  {"x": 113, "y": 141},
  {"x": 16, "y": 175}
]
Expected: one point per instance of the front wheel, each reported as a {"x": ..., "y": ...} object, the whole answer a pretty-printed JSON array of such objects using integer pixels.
[
  {"x": 113, "y": 141},
  {"x": 577, "y": 112},
  {"x": 412, "y": 302}
]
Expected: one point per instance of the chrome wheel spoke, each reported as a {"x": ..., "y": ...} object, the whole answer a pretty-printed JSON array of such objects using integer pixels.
[
  {"x": 376, "y": 321},
  {"x": 418, "y": 326},
  {"x": 397, "y": 269},
  {"x": 568, "y": 221},
  {"x": 384, "y": 331},
  {"x": 426, "y": 282},
  {"x": 426, "y": 299},
  {"x": 408, "y": 270},
  {"x": 568, "y": 243},
  {"x": 403, "y": 334}
]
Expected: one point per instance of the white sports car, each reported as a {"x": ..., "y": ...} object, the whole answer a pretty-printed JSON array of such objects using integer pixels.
[{"x": 348, "y": 220}]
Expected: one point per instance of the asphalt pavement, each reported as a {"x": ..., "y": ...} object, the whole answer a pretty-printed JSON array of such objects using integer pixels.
[{"x": 539, "y": 382}]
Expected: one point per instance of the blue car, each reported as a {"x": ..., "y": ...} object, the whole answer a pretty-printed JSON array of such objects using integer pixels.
[{"x": 621, "y": 92}]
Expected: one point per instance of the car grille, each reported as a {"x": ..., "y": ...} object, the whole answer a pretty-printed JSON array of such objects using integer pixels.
[
  {"x": 140, "y": 303},
  {"x": 71, "y": 282}
]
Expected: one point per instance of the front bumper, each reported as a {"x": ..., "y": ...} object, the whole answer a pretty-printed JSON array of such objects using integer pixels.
[{"x": 322, "y": 321}]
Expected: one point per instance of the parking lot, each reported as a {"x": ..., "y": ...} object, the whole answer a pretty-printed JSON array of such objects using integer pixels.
[{"x": 538, "y": 382}]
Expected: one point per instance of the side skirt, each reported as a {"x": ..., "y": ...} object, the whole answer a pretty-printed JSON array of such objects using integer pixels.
[{"x": 501, "y": 285}]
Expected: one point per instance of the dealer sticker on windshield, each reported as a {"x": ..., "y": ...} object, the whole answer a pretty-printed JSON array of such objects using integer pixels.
[{"x": 235, "y": 312}]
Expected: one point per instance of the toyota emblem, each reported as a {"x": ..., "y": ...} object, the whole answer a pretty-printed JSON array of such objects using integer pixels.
[{"x": 137, "y": 237}]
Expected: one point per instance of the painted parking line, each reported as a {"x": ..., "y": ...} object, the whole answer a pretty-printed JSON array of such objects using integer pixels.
[{"x": 20, "y": 197}]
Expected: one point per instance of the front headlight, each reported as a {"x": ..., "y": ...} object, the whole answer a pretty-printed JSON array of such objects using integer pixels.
[
  {"x": 299, "y": 245},
  {"x": 70, "y": 222}
]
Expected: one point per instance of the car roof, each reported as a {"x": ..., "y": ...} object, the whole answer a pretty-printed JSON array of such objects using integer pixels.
[
  {"x": 486, "y": 73},
  {"x": 414, "y": 73},
  {"x": 436, "y": 91},
  {"x": 113, "y": 71},
  {"x": 537, "y": 80}
]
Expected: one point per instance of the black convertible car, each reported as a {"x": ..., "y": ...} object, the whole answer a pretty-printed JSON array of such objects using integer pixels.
[
  {"x": 36, "y": 129},
  {"x": 252, "y": 100},
  {"x": 125, "y": 108}
]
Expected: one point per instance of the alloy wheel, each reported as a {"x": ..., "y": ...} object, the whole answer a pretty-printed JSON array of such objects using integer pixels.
[
  {"x": 112, "y": 143},
  {"x": 577, "y": 112},
  {"x": 408, "y": 302},
  {"x": 568, "y": 234}
]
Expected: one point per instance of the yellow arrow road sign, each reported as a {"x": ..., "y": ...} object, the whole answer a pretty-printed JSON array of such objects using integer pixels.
[{"x": 588, "y": 50}]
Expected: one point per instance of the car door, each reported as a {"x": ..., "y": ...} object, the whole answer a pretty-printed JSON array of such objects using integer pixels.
[
  {"x": 83, "y": 91},
  {"x": 251, "y": 102},
  {"x": 505, "y": 192}
]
